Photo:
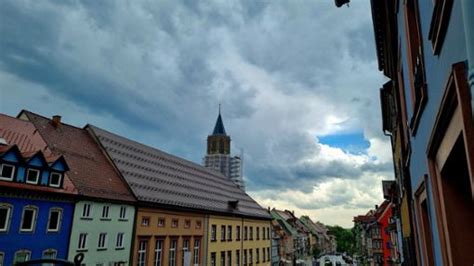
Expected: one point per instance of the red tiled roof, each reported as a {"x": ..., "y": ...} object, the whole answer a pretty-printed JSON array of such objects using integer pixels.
[
  {"x": 90, "y": 171},
  {"x": 373, "y": 215},
  {"x": 364, "y": 219},
  {"x": 24, "y": 135},
  {"x": 381, "y": 209}
]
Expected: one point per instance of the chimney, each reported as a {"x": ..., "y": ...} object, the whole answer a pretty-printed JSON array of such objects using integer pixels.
[
  {"x": 56, "y": 121},
  {"x": 376, "y": 207}
]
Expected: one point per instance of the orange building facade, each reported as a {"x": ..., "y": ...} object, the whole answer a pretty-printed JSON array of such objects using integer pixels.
[{"x": 168, "y": 238}]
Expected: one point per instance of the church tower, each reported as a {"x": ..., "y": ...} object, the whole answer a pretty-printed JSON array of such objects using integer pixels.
[
  {"x": 218, "y": 155},
  {"x": 218, "y": 142}
]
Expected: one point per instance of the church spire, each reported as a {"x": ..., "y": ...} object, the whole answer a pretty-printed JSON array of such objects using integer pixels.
[
  {"x": 218, "y": 142},
  {"x": 219, "y": 127}
]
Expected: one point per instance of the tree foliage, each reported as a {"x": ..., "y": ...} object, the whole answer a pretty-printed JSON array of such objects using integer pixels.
[{"x": 344, "y": 238}]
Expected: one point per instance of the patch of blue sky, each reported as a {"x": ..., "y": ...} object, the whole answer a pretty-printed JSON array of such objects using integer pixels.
[{"x": 354, "y": 143}]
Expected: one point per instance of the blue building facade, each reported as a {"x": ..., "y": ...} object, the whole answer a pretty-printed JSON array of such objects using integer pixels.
[
  {"x": 18, "y": 244},
  {"x": 35, "y": 217},
  {"x": 426, "y": 49}
]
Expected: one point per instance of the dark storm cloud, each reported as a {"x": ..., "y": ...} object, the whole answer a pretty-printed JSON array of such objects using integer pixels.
[{"x": 284, "y": 72}]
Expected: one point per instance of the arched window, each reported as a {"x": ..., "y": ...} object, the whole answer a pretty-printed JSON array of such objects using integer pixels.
[
  {"x": 28, "y": 218},
  {"x": 54, "y": 220},
  {"x": 50, "y": 254},
  {"x": 22, "y": 255},
  {"x": 5, "y": 216}
]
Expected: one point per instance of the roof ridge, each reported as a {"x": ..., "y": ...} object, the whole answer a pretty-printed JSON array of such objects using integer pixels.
[
  {"x": 46, "y": 118},
  {"x": 178, "y": 159}
]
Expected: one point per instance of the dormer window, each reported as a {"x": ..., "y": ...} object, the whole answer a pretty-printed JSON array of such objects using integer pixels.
[
  {"x": 55, "y": 179},
  {"x": 6, "y": 172},
  {"x": 32, "y": 176}
]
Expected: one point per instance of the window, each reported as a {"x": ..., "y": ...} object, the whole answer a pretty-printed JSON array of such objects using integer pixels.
[
  {"x": 237, "y": 258},
  {"x": 451, "y": 165},
  {"x": 22, "y": 256},
  {"x": 123, "y": 213},
  {"x": 257, "y": 254},
  {"x": 213, "y": 259},
  {"x": 229, "y": 258},
  {"x": 5, "y": 217},
  {"x": 245, "y": 233},
  {"x": 32, "y": 176},
  {"x": 49, "y": 254},
  {"x": 119, "y": 241},
  {"x": 229, "y": 233},
  {"x": 237, "y": 233},
  {"x": 222, "y": 258},
  {"x": 439, "y": 24},
  {"x": 105, "y": 212},
  {"x": 2, "y": 258},
  {"x": 86, "y": 210},
  {"x": 145, "y": 221},
  {"x": 268, "y": 254},
  {"x": 187, "y": 223},
  {"x": 172, "y": 258},
  {"x": 415, "y": 62},
  {"x": 174, "y": 223},
  {"x": 7, "y": 172},
  {"x": 82, "y": 241},
  {"x": 185, "y": 249},
  {"x": 55, "y": 179},
  {"x": 245, "y": 256},
  {"x": 54, "y": 221},
  {"x": 268, "y": 232},
  {"x": 198, "y": 224},
  {"x": 421, "y": 209},
  {"x": 102, "y": 241},
  {"x": 222, "y": 232},
  {"x": 161, "y": 222},
  {"x": 142, "y": 248},
  {"x": 158, "y": 252},
  {"x": 28, "y": 220},
  {"x": 213, "y": 232},
  {"x": 251, "y": 233},
  {"x": 196, "y": 251},
  {"x": 250, "y": 257},
  {"x": 264, "y": 258},
  {"x": 258, "y": 233}
]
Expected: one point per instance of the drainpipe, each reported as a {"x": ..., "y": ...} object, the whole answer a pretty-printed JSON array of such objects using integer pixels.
[{"x": 468, "y": 18}]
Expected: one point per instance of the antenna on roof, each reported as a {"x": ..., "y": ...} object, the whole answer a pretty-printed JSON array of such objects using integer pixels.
[{"x": 219, "y": 108}]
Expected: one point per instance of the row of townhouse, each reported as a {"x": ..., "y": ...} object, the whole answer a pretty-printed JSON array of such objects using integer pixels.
[
  {"x": 376, "y": 237},
  {"x": 66, "y": 191},
  {"x": 295, "y": 239},
  {"x": 426, "y": 50}
]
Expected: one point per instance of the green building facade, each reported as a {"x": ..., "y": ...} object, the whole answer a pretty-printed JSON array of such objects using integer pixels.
[{"x": 102, "y": 232}]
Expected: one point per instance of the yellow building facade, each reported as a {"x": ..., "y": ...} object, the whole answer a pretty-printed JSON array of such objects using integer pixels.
[
  {"x": 238, "y": 241},
  {"x": 164, "y": 237}
]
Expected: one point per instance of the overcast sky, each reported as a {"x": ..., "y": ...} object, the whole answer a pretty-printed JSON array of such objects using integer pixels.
[{"x": 297, "y": 80}]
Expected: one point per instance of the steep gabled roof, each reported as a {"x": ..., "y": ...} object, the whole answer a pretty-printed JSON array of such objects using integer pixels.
[
  {"x": 25, "y": 139},
  {"x": 90, "y": 171},
  {"x": 308, "y": 223},
  {"x": 277, "y": 215},
  {"x": 22, "y": 133},
  {"x": 163, "y": 180}
]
